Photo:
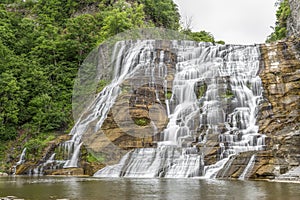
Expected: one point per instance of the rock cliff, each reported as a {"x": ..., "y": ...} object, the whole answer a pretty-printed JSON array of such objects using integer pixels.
[{"x": 279, "y": 117}]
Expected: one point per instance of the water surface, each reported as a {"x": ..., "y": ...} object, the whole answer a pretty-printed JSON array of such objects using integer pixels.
[{"x": 37, "y": 188}]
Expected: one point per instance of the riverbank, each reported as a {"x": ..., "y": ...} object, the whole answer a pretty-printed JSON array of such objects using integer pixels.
[
  {"x": 284, "y": 181},
  {"x": 3, "y": 174},
  {"x": 16, "y": 198},
  {"x": 10, "y": 198}
]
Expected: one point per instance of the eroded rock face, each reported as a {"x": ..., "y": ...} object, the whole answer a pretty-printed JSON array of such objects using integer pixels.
[
  {"x": 279, "y": 117},
  {"x": 138, "y": 116},
  {"x": 280, "y": 113}
]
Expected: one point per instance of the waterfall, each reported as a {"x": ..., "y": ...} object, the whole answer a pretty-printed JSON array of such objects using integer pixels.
[
  {"x": 22, "y": 157},
  {"x": 211, "y": 171},
  {"x": 216, "y": 91},
  {"x": 98, "y": 110},
  {"x": 21, "y": 160},
  {"x": 210, "y": 90},
  {"x": 164, "y": 161},
  {"x": 248, "y": 168}
]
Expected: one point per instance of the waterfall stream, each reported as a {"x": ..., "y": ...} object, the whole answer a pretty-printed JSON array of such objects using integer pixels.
[
  {"x": 21, "y": 160},
  {"x": 216, "y": 91},
  {"x": 248, "y": 168},
  {"x": 22, "y": 157}
]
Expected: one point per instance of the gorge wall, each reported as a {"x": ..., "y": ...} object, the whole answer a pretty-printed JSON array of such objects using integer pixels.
[
  {"x": 279, "y": 115},
  {"x": 278, "y": 120}
]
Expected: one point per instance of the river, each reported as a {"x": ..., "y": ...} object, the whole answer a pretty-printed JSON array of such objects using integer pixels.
[{"x": 38, "y": 188}]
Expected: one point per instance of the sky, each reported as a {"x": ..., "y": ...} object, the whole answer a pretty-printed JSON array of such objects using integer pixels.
[{"x": 233, "y": 21}]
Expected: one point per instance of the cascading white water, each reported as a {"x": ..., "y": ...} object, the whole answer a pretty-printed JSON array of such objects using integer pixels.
[
  {"x": 123, "y": 68},
  {"x": 22, "y": 157},
  {"x": 21, "y": 160},
  {"x": 211, "y": 171},
  {"x": 216, "y": 90},
  {"x": 164, "y": 161},
  {"x": 248, "y": 167}
]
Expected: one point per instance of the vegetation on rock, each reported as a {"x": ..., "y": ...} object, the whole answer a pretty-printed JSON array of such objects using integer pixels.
[
  {"x": 280, "y": 29},
  {"x": 141, "y": 121},
  {"x": 168, "y": 94}
]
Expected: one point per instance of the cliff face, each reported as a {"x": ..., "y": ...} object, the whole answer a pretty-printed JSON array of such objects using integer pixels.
[
  {"x": 136, "y": 113},
  {"x": 280, "y": 76},
  {"x": 280, "y": 113},
  {"x": 279, "y": 117},
  {"x": 293, "y": 23}
]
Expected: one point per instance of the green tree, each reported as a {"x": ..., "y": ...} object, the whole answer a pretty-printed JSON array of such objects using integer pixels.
[
  {"x": 162, "y": 13},
  {"x": 201, "y": 36},
  {"x": 282, "y": 14},
  {"x": 9, "y": 105},
  {"x": 122, "y": 16}
]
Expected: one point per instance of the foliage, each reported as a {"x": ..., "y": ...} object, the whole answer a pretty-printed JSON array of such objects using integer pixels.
[
  {"x": 282, "y": 14},
  {"x": 2, "y": 151},
  {"x": 201, "y": 90},
  {"x": 36, "y": 145},
  {"x": 43, "y": 43},
  {"x": 92, "y": 158},
  {"x": 120, "y": 17},
  {"x": 101, "y": 85},
  {"x": 201, "y": 36},
  {"x": 162, "y": 13},
  {"x": 141, "y": 121},
  {"x": 168, "y": 94}
]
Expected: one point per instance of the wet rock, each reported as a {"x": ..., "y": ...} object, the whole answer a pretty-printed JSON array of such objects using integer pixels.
[
  {"x": 137, "y": 117},
  {"x": 279, "y": 117},
  {"x": 3, "y": 174},
  {"x": 66, "y": 172},
  {"x": 10, "y": 198},
  {"x": 292, "y": 174},
  {"x": 25, "y": 168}
]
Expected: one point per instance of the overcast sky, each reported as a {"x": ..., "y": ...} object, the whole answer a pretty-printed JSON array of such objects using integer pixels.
[{"x": 234, "y": 21}]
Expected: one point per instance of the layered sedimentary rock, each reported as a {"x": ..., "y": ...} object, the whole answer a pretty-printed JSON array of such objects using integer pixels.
[
  {"x": 139, "y": 112},
  {"x": 279, "y": 117},
  {"x": 280, "y": 114}
]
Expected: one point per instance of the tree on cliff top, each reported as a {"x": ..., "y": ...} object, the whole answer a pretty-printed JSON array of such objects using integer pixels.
[
  {"x": 44, "y": 42},
  {"x": 282, "y": 14}
]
